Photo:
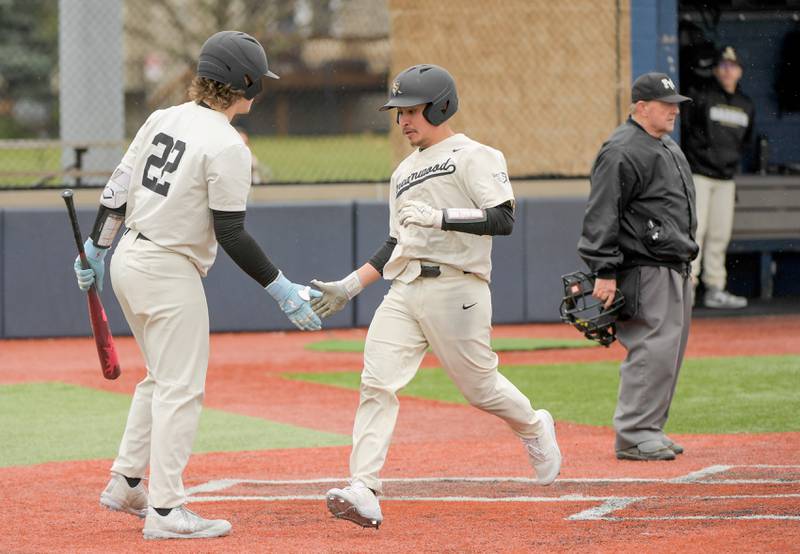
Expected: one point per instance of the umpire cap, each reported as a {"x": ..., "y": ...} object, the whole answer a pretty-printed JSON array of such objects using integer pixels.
[
  {"x": 237, "y": 59},
  {"x": 425, "y": 84},
  {"x": 656, "y": 86}
]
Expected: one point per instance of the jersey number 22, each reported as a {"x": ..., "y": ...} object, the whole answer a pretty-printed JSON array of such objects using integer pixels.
[{"x": 158, "y": 182}]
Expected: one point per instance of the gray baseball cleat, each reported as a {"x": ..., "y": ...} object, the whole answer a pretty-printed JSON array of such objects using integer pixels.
[
  {"x": 674, "y": 446},
  {"x": 121, "y": 497},
  {"x": 652, "y": 450},
  {"x": 355, "y": 503},
  {"x": 182, "y": 523},
  {"x": 543, "y": 450}
]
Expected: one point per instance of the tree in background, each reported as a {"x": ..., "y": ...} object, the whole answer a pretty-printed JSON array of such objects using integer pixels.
[
  {"x": 163, "y": 37},
  {"x": 28, "y": 62}
]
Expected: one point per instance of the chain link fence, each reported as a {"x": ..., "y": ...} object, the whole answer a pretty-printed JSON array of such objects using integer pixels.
[{"x": 78, "y": 78}]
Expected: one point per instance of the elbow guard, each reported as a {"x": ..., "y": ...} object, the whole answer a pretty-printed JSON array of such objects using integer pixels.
[{"x": 115, "y": 193}]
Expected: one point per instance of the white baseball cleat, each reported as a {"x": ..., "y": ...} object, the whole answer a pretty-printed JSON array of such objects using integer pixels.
[
  {"x": 182, "y": 523},
  {"x": 355, "y": 503},
  {"x": 121, "y": 497},
  {"x": 543, "y": 450}
]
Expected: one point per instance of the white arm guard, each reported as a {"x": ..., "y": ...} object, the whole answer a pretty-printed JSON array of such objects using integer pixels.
[
  {"x": 464, "y": 215},
  {"x": 115, "y": 194}
]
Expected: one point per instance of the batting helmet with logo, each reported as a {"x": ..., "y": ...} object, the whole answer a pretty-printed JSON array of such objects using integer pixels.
[
  {"x": 425, "y": 84},
  {"x": 586, "y": 313},
  {"x": 237, "y": 59}
]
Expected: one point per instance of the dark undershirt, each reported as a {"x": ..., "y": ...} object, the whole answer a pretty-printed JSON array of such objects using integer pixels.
[{"x": 242, "y": 248}]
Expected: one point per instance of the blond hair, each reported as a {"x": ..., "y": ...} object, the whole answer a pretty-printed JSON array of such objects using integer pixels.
[{"x": 215, "y": 94}]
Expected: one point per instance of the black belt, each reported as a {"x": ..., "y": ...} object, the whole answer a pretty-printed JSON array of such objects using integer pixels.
[
  {"x": 139, "y": 236},
  {"x": 433, "y": 271},
  {"x": 429, "y": 271}
]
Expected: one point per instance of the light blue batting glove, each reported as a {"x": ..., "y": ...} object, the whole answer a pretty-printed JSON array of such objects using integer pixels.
[
  {"x": 97, "y": 266},
  {"x": 294, "y": 300}
]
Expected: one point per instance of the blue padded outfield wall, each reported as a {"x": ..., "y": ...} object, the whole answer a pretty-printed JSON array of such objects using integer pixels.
[{"x": 320, "y": 240}]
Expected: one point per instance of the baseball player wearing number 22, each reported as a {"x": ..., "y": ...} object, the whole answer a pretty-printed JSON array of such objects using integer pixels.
[
  {"x": 181, "y": 189},
  {"x": 446, "y": 201}
]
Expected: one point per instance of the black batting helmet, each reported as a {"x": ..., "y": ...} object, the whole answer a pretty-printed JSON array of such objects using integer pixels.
[
  {"x": 586, "y": 313},
  {"x": 237, "y": 59},
  {"x": 425, "y": 84}
]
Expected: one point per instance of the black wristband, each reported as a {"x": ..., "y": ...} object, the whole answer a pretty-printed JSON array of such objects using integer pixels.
[{"x": 382, "y": 255}]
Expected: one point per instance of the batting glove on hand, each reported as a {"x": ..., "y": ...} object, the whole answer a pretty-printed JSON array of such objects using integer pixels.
[
  {"x": 335, "y": 294},
  {"x": 294, "y": 300},
  {"x": 419, "y": 213},
  {"x": 97, "y": 266}
]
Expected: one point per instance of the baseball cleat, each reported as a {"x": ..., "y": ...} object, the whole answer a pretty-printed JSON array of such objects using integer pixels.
[
  {"x": 674, "y": 446},
  {"x": 355, "y": 503},
  {"x": 182, "y": 523},
  {"x": 647, "y": 451},
  {"x": 543, "y": 451},
  {"x": 118, "y": 496}
]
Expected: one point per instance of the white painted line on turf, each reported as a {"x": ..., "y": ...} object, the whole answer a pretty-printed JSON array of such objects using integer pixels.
[
  {"x": 213, "y": 486},
  {"x": 600, "y": 512},
  {"x": 696, "y": 476},
  {"x": 483, "y": 499},
  {"x": 748, "y": 482},
  {"x": 702, "y": 518},
  {"x": 258, "y": 498},
  {"x": 225, "y": 483},
  {"x": 221, "y": 484},
  {"x": 771, "y": 466},
  {"x": 618, "y": 501}
]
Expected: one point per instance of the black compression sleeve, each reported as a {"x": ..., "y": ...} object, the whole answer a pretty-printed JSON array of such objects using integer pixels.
[
  {"x": 242, "y": 248},
  {"x": 382, "y": 255},
  {"x": 499, "y": 221}
]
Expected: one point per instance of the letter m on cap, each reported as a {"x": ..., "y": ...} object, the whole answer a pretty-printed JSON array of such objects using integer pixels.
[{"x": 668, "y": 84}]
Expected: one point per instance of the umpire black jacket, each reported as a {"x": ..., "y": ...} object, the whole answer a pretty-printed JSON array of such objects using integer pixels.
[
  {"x": 717, "y": 127},
  {"x": 641, "y": 207}
]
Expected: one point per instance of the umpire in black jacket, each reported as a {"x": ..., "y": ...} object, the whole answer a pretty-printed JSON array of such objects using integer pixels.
[{"x": 638, "y": 236}]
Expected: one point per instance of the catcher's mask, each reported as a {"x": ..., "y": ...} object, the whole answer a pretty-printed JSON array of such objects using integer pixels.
[{"x": 580, "y": 309}]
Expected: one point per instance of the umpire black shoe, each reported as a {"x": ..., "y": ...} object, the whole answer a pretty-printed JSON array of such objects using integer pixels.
[
  {"x": 674, "y": 446},
  {"x": 646, "y": 451}
]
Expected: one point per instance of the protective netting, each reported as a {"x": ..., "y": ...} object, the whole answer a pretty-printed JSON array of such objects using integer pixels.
[{"x": 542, "y": 81}]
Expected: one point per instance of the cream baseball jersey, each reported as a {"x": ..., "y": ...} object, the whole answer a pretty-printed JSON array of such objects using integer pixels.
[
  {"x": 457, "y": 172},
  {"x": 184, "y": 162}
]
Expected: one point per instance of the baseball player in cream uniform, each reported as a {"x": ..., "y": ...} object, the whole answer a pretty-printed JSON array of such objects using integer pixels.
[
  {"x": 446, "y": 201},
  {"x": 181, "y": 189}
]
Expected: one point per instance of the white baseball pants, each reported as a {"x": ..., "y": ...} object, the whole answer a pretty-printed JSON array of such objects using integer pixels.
[
  {"x": 163, "y": 300},
  {"x": 715, "y": 202},
  {"x": 452, "y": 313}
]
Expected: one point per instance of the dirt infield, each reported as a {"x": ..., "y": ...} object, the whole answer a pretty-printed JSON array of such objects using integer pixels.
[{"x": 457, "y": 479}]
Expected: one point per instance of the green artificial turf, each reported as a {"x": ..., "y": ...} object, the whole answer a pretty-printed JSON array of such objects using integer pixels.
[
  {"x": 714, "y": 395},
  {"x": 498, "y": 344},
  {"x": 41, "y": 422},
  {"x": 365, "y": 157},
  {"x": 293, "y": 159}
]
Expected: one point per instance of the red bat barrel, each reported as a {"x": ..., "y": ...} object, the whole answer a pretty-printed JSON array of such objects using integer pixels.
[{"x": 109, "y": 362}]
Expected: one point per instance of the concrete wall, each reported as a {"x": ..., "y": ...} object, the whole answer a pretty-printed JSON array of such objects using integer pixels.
[{"x": 39, "y": 296}]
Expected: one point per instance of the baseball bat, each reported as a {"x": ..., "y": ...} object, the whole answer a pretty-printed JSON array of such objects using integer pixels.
[{"x": 109, "y": 361}]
